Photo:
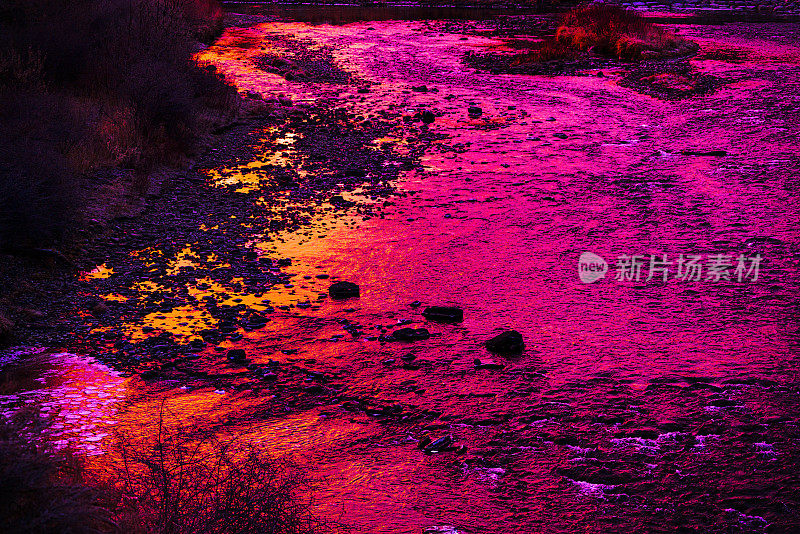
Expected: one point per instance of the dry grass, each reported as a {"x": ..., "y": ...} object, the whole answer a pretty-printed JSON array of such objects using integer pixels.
[
  {"x": 93, "y": 84},
  {"x": 610, "y": 31}
]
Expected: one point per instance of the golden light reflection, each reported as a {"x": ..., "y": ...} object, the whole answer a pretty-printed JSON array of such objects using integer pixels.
[{"x": 252, "y": 176}]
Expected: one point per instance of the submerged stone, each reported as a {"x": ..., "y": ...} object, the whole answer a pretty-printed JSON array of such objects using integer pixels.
[
  {"x": 410, "y": 334},
  {"x": 443, "y": 314},
  {"x": 344, "y": 290},
  {"x": 509, "y": 342}
]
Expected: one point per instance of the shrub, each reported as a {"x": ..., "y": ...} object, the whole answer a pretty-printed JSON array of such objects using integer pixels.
[
  {"x": 178, "y": 483},
  {"x": 42, "y": 491},
  {"x": 169, "y": 482}
]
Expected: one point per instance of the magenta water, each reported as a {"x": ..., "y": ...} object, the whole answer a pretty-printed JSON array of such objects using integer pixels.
[{"x": 638, "y": 405}]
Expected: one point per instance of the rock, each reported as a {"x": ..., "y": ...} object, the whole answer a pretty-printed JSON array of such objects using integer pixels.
[
  {"x": 420, "y": 89},
  {"x": 344, "y": 290},
  {"x": 717, "y": 153},
  {"x": 443, "y": 314},
  {"x": 339, "y": 200},
  {"x": 363, "y": 90},
  {"x": 99, "y": 309},
  {"x": 237, "y": 355},
  {"x": 509, "y": 342},
  {"x": 444, "y": 443},
  {"x": 415, "y": 304},
  {"x": 285, "y": 101},
  {"x": 560, "y": 135},
  {"x": 428, "y": 117},
  {"x": 487, "y": 364},
  {"x": 410, "y": 334},
  {"x": 474, "y": 111},
  {"x": 227, "y": 327}
]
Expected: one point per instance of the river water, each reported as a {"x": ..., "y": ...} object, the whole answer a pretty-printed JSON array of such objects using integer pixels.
[{"x": 640, "y": 405}]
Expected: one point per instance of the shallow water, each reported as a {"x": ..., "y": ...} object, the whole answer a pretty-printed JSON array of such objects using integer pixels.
[{"x": 642, "y": 405}]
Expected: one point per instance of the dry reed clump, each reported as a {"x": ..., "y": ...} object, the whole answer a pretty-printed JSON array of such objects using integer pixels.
[{"x": 611, "y": 31}]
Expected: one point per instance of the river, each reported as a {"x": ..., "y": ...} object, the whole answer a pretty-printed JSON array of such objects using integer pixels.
[{"x": 640, "y": 403}]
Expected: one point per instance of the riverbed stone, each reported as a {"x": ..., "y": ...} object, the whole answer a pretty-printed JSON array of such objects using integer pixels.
[
  {"x": 344, "y": 290},
  {"x": 443, "y": 314},
  {"x": 509, "y": 342}
]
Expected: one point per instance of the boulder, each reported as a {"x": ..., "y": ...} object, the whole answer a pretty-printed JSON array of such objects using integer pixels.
[
  {"x": 509, "y": 342},
  {"x": 445, "y": 443},
  {"x": 428, "y": 117},
  {"x": 487, "y": 364},
  {"x": 410, "y": 334},
  {"x": 474, "y": 111},
  {"x": 443, "y": 314},
  {"x": 344, "y": 290}
]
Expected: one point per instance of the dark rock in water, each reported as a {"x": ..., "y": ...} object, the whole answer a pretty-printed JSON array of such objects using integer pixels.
[
  {"x": 474, "y": 111},
  {"x": 363, "y": 90},
  {"x": 227, "y": 327},
  {"x": 428, "y": 117},
  {"x": 284, "y": 262},
  {"x": 560, "y": 135},
  {"x": 509, "y": 342},
  {"x": 718, "y": 153},
  {"x": 149, "y": 374},
  {"x": 410, "y": 334},
  {"x": 487, "y": 364},
  {"x": 424, "y": 441},
  {"x": 443, "y": 314},
  {"x": 762, "y": 241},
  {"x": 444, "y": 443},
  {"x": 415, "y": 304},
  {"x": 344, "y": 290},
  {"x": 237, "y": 355},
  {"x": 258, "y": 320},
  {"x": 420, "y": 89}
]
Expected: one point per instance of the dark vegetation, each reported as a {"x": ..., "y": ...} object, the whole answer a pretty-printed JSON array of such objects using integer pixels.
[
  {"x": 173, "y": 482},
  {"x": 42, "y": 490},
  {"x": 89, "y": 87}
]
